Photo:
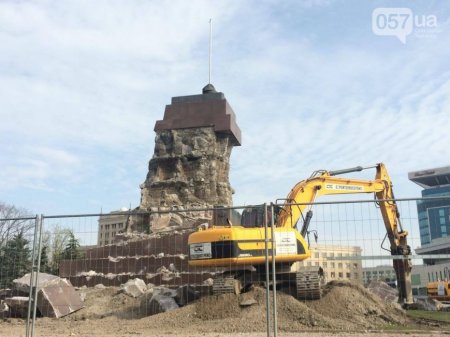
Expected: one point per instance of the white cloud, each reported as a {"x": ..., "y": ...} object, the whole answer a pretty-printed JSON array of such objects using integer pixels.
[{"x": 84, "y": 82}]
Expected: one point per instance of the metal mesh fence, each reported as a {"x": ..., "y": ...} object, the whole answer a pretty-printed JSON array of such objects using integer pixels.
[{"x": 133, "y": 264}]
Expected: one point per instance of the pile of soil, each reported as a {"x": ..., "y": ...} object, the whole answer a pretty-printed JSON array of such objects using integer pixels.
[{"x": 344, "y": 306}]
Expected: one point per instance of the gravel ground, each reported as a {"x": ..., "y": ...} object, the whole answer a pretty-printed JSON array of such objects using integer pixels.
[{"x": 345, "y": 310}]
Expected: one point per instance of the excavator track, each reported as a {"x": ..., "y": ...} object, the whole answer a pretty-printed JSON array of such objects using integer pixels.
[
  {"x": 225, "y": 285},
  {"x": 309, "y": 285}
]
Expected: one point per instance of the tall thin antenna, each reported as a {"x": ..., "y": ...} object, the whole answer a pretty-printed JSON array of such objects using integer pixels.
[{"x": 210, "y": 49}]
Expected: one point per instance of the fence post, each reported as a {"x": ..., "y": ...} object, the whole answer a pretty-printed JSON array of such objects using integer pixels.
[
  {"x": 38, "y": 266},
  {"x": 266, "y": 255},
  {"x": 274, "y": 275},
  {"x": 32, "y": 276}
]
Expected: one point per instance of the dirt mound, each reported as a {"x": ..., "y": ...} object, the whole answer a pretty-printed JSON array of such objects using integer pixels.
[
  {"x": 344, "y": 306},
  {"x": 356, "y": 306}
]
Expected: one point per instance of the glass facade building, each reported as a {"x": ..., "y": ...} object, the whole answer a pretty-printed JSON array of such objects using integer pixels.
[{"x": 434, "y": 215}]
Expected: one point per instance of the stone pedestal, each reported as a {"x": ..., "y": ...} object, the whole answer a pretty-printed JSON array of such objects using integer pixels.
[{"x": 190, "y": 165}]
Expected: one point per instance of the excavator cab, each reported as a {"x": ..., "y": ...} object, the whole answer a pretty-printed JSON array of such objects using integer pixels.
[{"x": 253, "y": 217}]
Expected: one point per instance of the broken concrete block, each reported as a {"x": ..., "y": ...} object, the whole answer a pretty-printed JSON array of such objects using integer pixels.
[
  {"x": 186, "y": 294},
  {"x": 164, "y": 292},
  {"x": 4, "y": 293},
  {"x": 383, "y": 291},
  {"x": 23, "y": 284},
  {"x": 134, "y": 288},
  {"x": 18, "y": 306},
  {"x": 208, "y": 282},
  {"x": 428, "y": 304},
  {"x": 4, "y": 309},
  {"x": 99, "y": 286},
  {"x": 58, "y": 300},
  {"x": 157, "y": 304}
]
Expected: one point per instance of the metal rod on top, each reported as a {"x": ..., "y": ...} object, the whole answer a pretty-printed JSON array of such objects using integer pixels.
[{"x": 210, "y": 50}]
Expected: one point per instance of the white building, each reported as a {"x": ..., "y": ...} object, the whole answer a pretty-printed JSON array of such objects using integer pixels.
[
  {"x": 385, "y": 273},
  {"x": 332, "y": 258},
  {"x": 111, "y": 224}
]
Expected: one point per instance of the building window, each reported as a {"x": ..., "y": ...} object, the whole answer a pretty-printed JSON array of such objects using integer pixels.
[
  {"x": 316, "y": 255},
  {"x": 339, "y": 265},
  {"x": 357, "y": 276},
  {"x": 355, "y": 265},
  {"x": 341, "y": 275},
  {"x": 348, "y": 275},
  {"x": 121, "y": 225},
  {"x": 309, "y": 263},
  {"x": 316, "y": 264},
  {"x": 324, "y": 264},
  {"x": 333, "y": 274},
  {"x": 332, "y": 264}
]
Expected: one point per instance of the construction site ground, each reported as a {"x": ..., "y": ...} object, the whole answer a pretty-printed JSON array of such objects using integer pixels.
[{"x": 345, "y": 310}]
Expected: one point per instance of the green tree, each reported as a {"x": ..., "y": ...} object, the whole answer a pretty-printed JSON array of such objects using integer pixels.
[
  {"x": 72, "y": 250},
  {"x": 44, "y": 266},
  {"x": 56, "y": 239},
  {"x": 15, "y": 260}
]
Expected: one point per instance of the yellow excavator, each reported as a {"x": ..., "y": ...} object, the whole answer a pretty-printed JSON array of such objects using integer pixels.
[
  {"x": 439, "y": 290},
  {"x": 240, "y": 249}
]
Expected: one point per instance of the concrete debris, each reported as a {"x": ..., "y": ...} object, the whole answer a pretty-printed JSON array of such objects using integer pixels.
[
  {"x": 58, "y": 299},
  {"x": 110, "y": 276},
  {"x": 99, "y": 286},
  {"x": 115, "y": 259},
  {"x": 23, "y": 284},
  {"x": 162, "y": 300},
  {"x": 4, "y": 309},
  {"x": 383, "y": 291},
  {"x": 4, "y": 293},
  {"x": 56, "y": 296},
  {"x": 428, "y": 304},
  {"x": 208, "y": 282},
  {"x": 247, "y": 299},
  {"x": 134, "y": 288},
  {"x": 18, "y": 306},
  {"x": 186, "y": 294},
  {"x": 164, "y": 292}
]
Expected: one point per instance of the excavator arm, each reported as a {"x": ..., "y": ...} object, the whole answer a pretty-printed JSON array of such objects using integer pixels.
[{"x": 326, "y": 183}]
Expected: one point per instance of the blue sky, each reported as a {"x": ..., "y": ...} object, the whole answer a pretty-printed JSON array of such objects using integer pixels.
[{"x": 83, "y": 82}]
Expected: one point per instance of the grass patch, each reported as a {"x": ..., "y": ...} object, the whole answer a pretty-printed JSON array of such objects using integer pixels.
[{"x": 441, "y": 316}]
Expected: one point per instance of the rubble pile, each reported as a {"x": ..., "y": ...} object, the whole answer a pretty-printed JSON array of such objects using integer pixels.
[
  {"x": 56, "y": 297},
  {"x": 345, "y": 306}
]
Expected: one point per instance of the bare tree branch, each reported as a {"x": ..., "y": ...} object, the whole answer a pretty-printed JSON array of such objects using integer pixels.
[{"x": 10, "y": 228}]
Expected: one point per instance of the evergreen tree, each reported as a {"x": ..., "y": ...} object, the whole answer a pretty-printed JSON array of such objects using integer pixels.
[
  {"x": 14, "y": 260},
  {"x": 44, "y": 266},
  {"x": 72, "y": 250}
]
